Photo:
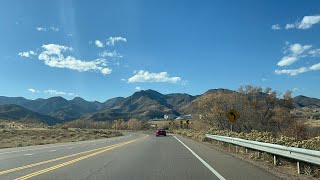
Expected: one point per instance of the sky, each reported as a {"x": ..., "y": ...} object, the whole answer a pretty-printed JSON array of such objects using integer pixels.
[{"x": 103, "y": 49}]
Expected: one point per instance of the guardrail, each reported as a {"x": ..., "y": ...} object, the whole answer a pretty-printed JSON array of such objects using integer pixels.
[{"x": 299, "y": 154}]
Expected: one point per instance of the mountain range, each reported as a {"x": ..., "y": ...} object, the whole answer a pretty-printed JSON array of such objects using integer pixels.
[
  {"x": 17, "y": 113},
  {"x": 145, "y": 104}
]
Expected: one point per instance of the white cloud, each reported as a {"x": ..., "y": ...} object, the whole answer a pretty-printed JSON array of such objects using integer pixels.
[
  {"x": 295, "y": 53},
  {"x": 306, "y": 22},
  {"x": 264, "y": 79},
  {"x": 287, "y": 60},
  {"x": 276, "y": 27},
  {"x": 290, "y": 26},
  {"x": 138, "y": 88},
  {"x": 33, "y": 90},
  {"x": 315, "y": 67},
  {"x": 27, "y": 53},
  {"x": 123, "y": 79},
  {"x": 110, "y": 54},
  {"x": 56, "y": 92},
  {"x": 106, "y": 71},
  {"x": 298, "y": 49},
  {"x": 314, "y": 53},
  {"x": 54, "y": 28},
  {"x": 145, "y": 76},
  {"x": 293, "y": 72},
  {"x": 51, "y": 28},
  {"x": 53, "y": 56},
  {"x": 99, "y": 44},
  {"x": 41, "y": 29},
  {"x": 295, "y": 89},
  {"x": 112, "y": 40}
]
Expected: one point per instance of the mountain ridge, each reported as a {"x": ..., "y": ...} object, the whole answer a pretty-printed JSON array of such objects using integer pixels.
[
  {"x": 18, "y": 113},
  {"x": 144, "y": 104}
]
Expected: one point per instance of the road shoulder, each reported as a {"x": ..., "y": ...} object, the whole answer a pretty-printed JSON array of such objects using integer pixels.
[{"x": 229, "y": 165}]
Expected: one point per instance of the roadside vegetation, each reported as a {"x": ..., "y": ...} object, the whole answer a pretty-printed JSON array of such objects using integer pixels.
[
  {"x": 264, "y": 117},
  {"x": 21, "y": 135},
  {"x": 267, "y": 137},
  {"x": 132, "y": 124}
]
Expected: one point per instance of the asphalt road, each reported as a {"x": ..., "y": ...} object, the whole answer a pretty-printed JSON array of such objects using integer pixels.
[{"x": 133, "y": 156}]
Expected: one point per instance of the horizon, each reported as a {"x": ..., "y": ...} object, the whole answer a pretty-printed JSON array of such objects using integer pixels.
[
  {"x": 280, "y": 95},
  {"x": 103, "y": 49}
]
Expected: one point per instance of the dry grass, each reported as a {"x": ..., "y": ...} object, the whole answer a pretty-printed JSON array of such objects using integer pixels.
[
  {"x": 312, "y": 123},
  {"x": 38, "y": 136},
  {"x": 160, "y": 124}
]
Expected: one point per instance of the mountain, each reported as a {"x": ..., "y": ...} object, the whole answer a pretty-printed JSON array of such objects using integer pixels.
[
  {"x": 57, "y": 107},
  {"x": 147, "y": 104},
  {"x": 12, "y": 100},
  {"x": 46, "y": 106},
  {"x": 113, "y": 102},
  {"x": 18, "y": 113},
  {"x": 304, "y": 101},
  {"x": 220, "y": 90},
  {"x": 178, "y": 100}
]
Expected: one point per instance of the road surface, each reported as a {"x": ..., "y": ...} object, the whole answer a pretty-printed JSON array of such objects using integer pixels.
[{"x": 134, "y": 156}]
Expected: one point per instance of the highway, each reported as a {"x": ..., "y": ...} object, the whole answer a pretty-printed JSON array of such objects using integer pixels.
[{"x": 134, "y": 156}]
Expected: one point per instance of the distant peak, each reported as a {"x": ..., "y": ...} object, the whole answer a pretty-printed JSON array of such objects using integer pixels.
[
  {"x": 218, "y": 90},
  {"x": 78, "y": 98},
  {"x": 57, "y": 98},
  {"x": 148, "y": 92}
]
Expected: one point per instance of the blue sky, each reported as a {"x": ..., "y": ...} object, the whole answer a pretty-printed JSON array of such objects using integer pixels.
[{"x": 103, "y": 49}]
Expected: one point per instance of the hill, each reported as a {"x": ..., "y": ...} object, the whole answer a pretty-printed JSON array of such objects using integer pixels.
[
  {"x": 304, "y": 101},
  {"x": 57, "y": 107},
  {"x": 18, "y": 113},
  {"x": 147, "y": 104}
]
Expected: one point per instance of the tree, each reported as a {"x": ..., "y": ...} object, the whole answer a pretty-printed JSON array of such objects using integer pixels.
[
  {"x": 119, "y": 124},
  {"x": 288, "y": 101},
  {"x": 241, "y": 90},
  {"x": 258, "y": 109},
  {"x": 134, "y": 124},
  {"x": 215, "y": 107}
]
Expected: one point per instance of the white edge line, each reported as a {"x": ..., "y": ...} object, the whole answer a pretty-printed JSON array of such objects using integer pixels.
[{"x": 202, "y": 161}]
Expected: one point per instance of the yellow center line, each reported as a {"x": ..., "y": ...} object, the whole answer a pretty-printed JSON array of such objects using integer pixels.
[
  {"x": 75, "y": 160},
  {"x": 52, "y": 160}
]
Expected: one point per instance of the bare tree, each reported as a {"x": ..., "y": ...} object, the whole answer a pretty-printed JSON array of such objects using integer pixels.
[
  {"x": 135, "y": 124},
  {"x": 258, "y": 109}
]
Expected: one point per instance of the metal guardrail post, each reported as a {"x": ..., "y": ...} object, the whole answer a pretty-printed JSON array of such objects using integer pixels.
[
  {"x": 274, "y": 160},
  {"x": 298, "y": 167}
]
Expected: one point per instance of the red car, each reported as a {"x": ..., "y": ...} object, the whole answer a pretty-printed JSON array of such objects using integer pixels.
[{"x": 160, "y": 132}]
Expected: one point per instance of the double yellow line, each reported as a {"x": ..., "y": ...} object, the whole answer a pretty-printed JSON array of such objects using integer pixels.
[{"x": 99, "y": 151}]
